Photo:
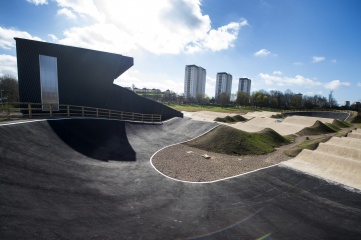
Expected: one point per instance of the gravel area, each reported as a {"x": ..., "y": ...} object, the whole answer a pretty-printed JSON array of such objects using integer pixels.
[{"x": 186, "y": 163}]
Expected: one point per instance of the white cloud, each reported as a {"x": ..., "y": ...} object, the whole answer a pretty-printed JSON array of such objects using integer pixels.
[
  {"x": 53, "y": 37},
  {"x": 97, "y": 37},
  {"x": 298, "y": 80},
  {"x": 298, "y": 63},
  {"x": 66, "y": 12},
  {"x": 262, "y": 53},
  {"x": 160, "y": 27},
  {"x": 140, "y": 80},
  {"x": 359, "y": 84},
  {"x": 7, "y": 37},
  {"x": 210, "y": 86},
  {"x": 335, "y": 84},
  {"x": 223, "y": 37},
  {"x": 38, "y": 2},
  {"x": 333, "y": 61},
  {"x": 84, "y": 8},
  {"x": 8, "y": 65},
  {"x": 313, "y": 93},
  {"x": 277, "y": 72},
  {"x": 316, "y": 59}
]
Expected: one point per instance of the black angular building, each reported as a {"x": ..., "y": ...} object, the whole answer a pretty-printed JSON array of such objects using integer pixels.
[{"x": 58, "y": 74}]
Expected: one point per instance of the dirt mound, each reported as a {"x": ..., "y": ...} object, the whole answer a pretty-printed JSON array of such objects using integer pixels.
[
  {"x": 357, "y": 119},
  {"x": 231, "y": 119},
  {"x": 231, "y": 141},
  {"x": 317, "y": 128},
  {"x": 341, "y": 123},
  {"x": 239, "y": 118},
  {"x": 278, "y": 115}
]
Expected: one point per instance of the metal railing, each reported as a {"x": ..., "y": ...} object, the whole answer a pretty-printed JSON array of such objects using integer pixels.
[{"x": 19, "y": 110}]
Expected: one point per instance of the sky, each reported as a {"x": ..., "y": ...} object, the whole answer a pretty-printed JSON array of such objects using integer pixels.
[{"x": 306, "y": 46}]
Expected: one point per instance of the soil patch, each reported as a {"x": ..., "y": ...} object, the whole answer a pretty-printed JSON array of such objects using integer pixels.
[{"x": 186, "y": 163}]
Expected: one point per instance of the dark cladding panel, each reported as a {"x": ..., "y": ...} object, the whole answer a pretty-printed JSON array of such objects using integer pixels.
[{"x": 85, "y": 78}]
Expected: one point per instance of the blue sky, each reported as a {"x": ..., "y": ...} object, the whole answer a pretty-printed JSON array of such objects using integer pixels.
[{"x": 307, "y": 46}]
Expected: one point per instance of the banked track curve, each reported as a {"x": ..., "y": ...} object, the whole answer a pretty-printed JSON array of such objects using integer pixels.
[{"x": 87, "y": 178}]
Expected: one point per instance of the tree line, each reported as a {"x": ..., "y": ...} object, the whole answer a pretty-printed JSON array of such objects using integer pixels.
[
  {"x": 263, "y": 99},
  {"x": 9, "y": 89},
  {"x": 271, "y": 99},
  {"x": 284, "y": 100}
]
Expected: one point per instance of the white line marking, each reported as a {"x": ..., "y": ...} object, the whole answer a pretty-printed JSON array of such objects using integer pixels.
[{"x": 213, "y": 181}]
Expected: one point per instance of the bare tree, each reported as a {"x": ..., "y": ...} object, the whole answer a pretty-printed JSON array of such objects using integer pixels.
[
  {"x": 243, "y": 98},
  {"x": 9, "y": 88},
  {"x": 199, "y": 98},
  {"x": 223, "y": 99}
]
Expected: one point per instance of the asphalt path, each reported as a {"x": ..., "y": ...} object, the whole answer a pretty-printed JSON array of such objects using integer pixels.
[
  {"x": 92, "y": 179},
  {"x": 321, "y": 114}
]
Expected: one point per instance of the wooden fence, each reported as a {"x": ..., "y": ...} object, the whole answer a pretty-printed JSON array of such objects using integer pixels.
[{"x": 18, "y": 110}]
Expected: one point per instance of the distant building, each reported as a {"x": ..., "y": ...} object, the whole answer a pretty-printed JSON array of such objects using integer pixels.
[
  {"x": 244, "y": 85},
  {"x": 347, "y": 104},
  {"x": 146, "y": 90},
  {"x": 223, "y": 83},
  {"x": 194, "y": 81}
]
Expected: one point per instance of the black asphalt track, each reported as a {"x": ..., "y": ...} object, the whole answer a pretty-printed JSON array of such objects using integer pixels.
[
  {"x": 322, "y": 114},
  {"x": 92, "y": 179}
]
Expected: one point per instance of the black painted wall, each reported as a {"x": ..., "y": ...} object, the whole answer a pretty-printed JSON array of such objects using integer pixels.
[{"x": 85, "y": 78}]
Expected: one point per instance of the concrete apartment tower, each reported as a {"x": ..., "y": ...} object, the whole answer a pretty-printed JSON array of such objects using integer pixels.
[
  {"x": 223, "y": 83},
  {"x": 244, "y": 85},
  {"x": 194, "y": 81}
]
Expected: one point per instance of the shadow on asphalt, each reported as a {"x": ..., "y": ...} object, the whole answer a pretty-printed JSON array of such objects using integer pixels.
[{"x": 96, "y": 139}]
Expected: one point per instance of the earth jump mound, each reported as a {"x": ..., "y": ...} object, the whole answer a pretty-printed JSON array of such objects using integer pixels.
[
  {"x": 317, "y": 128},
  {"x": 228, "y": 140}
]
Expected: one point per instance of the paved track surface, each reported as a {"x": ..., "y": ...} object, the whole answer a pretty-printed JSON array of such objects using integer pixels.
[
  {"x": 91, "y": 179},
  {"x": 289, "y": 125},
  {"x": 321, "y": 114},
  {"x": 338, "y": 160},
  {"x": 261, "y": 120}
]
